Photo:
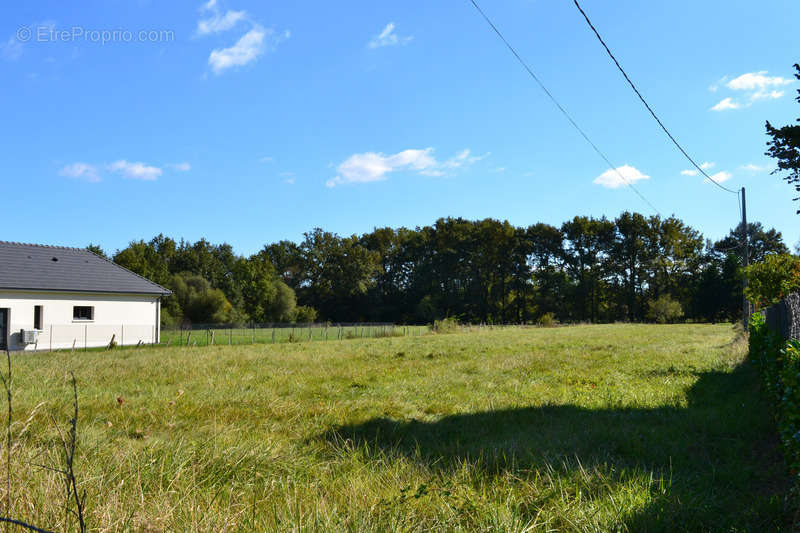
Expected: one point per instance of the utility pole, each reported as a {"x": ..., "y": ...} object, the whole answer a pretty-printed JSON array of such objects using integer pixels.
[{"x": 745, "y": 262}]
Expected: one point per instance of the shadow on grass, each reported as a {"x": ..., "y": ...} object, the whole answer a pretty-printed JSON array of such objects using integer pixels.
[{"x": 719, "y": 456}]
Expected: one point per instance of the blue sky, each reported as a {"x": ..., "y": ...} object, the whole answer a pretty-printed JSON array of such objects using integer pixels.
[{"x": 250, "y": 122}]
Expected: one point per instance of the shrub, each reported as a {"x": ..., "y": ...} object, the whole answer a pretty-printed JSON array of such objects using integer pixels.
[
  {"x": 547, "y": 320},
  {"x": 446, "y": 325},
  {"x": 304, "y": 314},
  {"x": 664, "y": 309},
  {"x": 771, "y": 280},
  {"x": 778, "y": 362}
]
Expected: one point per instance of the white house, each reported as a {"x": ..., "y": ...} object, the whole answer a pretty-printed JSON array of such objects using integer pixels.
[{"x": 53, "y": 297}]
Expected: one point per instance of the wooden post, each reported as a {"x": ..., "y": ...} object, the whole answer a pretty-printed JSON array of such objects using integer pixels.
[
  {"x": 745, "y": 263},
  {"x": 273, "y": 335},
  {"x": 309, "y": 332},
  {"x": 111, "y": 343},
  {"x": 188, "y": 337},
  {"x": 230, "y": 336},
  {"x": 212, "y": 336},
  {"x": 253, "y": 339}
]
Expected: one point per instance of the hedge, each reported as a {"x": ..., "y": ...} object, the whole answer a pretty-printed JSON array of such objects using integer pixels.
[{"x": 779, "y": 365}]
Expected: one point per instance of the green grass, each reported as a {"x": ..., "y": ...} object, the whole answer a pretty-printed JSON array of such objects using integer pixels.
[{"x": 586, "y": 428}]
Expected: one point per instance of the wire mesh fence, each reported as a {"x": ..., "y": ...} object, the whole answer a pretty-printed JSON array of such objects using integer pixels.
[
  {"x": 88, "y": 336},
  {"x": 84, "y": 336},
  {"x": 237, "y": 334}
]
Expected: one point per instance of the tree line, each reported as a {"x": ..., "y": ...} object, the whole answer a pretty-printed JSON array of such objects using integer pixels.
[{"x": 632, "y": 268}]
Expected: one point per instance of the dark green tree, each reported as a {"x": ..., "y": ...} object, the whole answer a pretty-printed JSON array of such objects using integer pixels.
[{"x": 761, "y": 242}]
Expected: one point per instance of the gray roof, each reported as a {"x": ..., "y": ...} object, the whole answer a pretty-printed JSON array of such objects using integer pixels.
[{"x": 57, "y": 268}]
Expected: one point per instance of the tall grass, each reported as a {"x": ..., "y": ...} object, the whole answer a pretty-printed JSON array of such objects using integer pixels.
[{"x": 590, "y": 428}]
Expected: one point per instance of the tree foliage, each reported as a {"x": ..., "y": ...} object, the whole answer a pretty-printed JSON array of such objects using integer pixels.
[
  {"x": 784, "y": 146},
  {"x": 588, "y": 269},
  {"x": 773, "y": 279}
]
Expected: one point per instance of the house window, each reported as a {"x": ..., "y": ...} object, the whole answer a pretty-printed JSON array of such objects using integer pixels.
[
  {"x": 37, "y": 317},
  {"x": 80, "y": 312}
]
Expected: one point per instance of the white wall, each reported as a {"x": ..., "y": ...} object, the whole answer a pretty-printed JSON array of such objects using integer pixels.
[{"x": 131, "y": 317}]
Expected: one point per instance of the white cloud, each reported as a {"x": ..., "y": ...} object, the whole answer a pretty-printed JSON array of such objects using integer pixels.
[
  {"x": 246, "y": 49},
  {"x": 266, "y": 159},
  {"x": 766, "y": 95},
  {"x": 249, "y": 46},
  {"x": 182, "y": 167},
  {"x": 11, "y": 49},
  {"x": 726, "y": 103},
  {"x": 719, "y": 177},
  {"x": 463, "y": 158},
  {"x": 218, "y": 22},
  {"x": 82, "y": 171},
  {"x": 611, "y": 178},
  {"x": 692, "y": 172},
  {"x": 373, "y": 166},
  {"x": 135, "y": 171},
  {"x": 756, "y": 81},
  {"x": 753, "y": 86},
  {"x": 388, "y": 37},
  {"x": 750, "y": 167}
]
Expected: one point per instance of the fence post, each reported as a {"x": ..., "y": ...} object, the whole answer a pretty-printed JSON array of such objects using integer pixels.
[
  {"x": 309, "y": 332},
  {"x": 253, "y": 339},
  {"x": 273, "y": 334}
]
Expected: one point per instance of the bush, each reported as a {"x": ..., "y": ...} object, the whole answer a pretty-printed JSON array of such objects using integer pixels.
[
  {"x": 778, "y": 362},
  {"x": 446, "y": 325},
  {"x": 304, "y": 314},
  {"x": 547, "y": 320},
  {"x": 664, "y": 309},
  {"x": 771, "y": 280}
]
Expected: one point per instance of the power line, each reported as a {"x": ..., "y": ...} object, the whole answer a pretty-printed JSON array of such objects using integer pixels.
[
  {"x": 675, "y": 142},
  {"x": 561, "y": 108}
]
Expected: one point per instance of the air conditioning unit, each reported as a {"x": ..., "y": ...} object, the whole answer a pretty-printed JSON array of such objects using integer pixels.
[{"x": 29, "y": 336}]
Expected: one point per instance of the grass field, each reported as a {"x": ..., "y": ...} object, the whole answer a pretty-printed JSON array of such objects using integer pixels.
[{"x": 586, "y": 428}]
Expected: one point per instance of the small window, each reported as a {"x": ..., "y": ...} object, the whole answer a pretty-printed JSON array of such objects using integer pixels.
[
  {"x": 80, "y": 312},
  {"x": 37, "y": 317}
]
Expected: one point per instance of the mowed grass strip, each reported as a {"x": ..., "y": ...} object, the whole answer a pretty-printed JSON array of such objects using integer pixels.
[{"x": 586, "y": 428}]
